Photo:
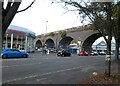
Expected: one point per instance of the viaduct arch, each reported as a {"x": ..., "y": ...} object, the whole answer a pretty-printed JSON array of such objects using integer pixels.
[{"x": 84, "y": 34}]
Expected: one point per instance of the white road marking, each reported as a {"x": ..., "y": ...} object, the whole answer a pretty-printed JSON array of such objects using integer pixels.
[
  {"x": 41, "y": 79},
  {"x": 45, "y": 58},
  {"x": 17, "y": 59},
  {"x": 63, "y": 57},
  {"x": 33, "y": 76},
  {"x": 20, "y": 65}
]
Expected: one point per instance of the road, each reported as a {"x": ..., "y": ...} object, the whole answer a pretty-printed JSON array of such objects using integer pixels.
[{"x": 50, "y": 69}]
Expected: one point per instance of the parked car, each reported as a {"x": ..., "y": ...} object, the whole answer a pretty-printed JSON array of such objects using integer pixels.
[
  {"x": 94, "y": 53},
  {"x": 102, "y": 53},
  {"x": 63, "y": 53},
  {"x": 6, "y": 53},
  {"x": 83, "y": 53},
  {"x": 52, "y": 50},
  {"x": 40, "y": 50}
]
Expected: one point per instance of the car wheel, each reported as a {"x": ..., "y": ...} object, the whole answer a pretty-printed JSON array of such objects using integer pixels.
[
  {"x": 24, "y": 56},
  {"x": 58, "y": 55},
  {"x": 4, "y": 56},
  {"x": 63, "y": 55}
]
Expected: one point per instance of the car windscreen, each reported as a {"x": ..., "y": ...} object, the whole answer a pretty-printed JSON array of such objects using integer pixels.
[
  {"x": 15, "y": 50},
  {"x": 8, "y": 50}
]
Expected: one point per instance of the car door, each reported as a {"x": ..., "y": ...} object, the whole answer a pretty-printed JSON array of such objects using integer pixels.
[
  {"x": 9, "y": 52},
  {"x": 16, "y": 53}
]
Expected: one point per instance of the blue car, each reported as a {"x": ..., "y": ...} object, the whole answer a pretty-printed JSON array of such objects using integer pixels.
[{"x": 6, "y": 53}]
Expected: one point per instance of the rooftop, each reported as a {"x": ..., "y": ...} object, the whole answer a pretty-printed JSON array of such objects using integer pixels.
[{"x": 20, "y": 30}]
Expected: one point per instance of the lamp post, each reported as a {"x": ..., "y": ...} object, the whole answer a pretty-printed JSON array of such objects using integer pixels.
[
  {"x": 46, "y": 27},
  {"x": 44, "y": 44},
  {"x": 46, "y": 34}
]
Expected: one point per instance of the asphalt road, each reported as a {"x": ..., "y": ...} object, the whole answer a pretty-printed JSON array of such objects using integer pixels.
[{"x": 50, "y": 69}]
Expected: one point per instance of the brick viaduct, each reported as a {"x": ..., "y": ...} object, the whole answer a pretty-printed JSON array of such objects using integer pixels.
[{"x": 83, "y": 34}]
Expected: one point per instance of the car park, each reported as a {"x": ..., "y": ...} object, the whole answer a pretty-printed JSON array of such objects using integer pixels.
[
  {"x": 83, "y": 53},
  {"x": 63, "y": 53},
  {"x": 13, "y": 52}
]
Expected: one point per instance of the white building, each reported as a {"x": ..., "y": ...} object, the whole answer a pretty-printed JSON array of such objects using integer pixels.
[
  {"x": 19, "y": 37},
  {"x": 102, "y": 46}
]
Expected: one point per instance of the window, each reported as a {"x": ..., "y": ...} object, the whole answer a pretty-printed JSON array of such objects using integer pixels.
[{"x": 9, "y": 50}]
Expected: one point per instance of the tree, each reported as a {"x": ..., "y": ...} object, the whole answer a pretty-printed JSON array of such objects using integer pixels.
[
  {"x": 99, "y": 14},
  {"x": 51, "y": 34},
  {"x": 9, "y": 12},
  {"x": 0, "y": 26},
  {"x": 63, "y": 33},
  {"x": 115, "y": 9},
  {"x": 116, "y": 31}
]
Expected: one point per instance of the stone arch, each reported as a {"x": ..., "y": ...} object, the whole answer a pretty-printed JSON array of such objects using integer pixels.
[
  {"x": 50, "y": 43},
  {"x": 38, "y": 44},
  {"x": 64, "y": 42},
  {"x": 87, "y": 44}
]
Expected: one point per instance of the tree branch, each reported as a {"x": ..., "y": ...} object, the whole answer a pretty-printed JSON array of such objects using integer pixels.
[
  {"x": 88, "y": 12},
  {"x": 9, "y": 16},
  {"x": 8, "y": 6},
  {"x": 75, "y": 4},
  {"x": 26, "y": 7},
  {"x": 2, "y": 6}
]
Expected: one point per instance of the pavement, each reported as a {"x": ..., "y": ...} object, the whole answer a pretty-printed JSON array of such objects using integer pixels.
[{"x": 115, "y": 70}]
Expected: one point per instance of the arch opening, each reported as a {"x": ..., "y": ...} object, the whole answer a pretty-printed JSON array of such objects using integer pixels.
[
  {"x": 98, "y": 47},
  {"x": 38, "y": 44},
  {"x": 64, "y": 43},
  {"x": 87, "y": 45},
  {"x": 50, "y": 43}
]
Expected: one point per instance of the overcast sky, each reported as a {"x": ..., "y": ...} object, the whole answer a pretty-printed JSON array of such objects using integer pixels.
[{"x": 41, "y": 11}]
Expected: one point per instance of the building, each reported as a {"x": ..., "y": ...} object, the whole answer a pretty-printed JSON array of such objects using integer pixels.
[
  {"x": 102, "y": 46},
  {"x": 19, "y": 37}
]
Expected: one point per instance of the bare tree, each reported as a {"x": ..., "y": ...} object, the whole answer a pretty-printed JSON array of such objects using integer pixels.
[
  {"x": 8, "y": 14},
  {"x": 116, "y": 31},
  {"x": 10, "y": 11},
  {"x": 100, "y": 14}
]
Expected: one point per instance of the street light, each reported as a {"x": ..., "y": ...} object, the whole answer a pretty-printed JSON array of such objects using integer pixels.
[
  {"x": 45, "y": 34},
  {"x": 46, "y": 26}
]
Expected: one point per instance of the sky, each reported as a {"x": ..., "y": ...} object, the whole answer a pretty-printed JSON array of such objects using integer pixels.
[{"x": 41, "y": 11}]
